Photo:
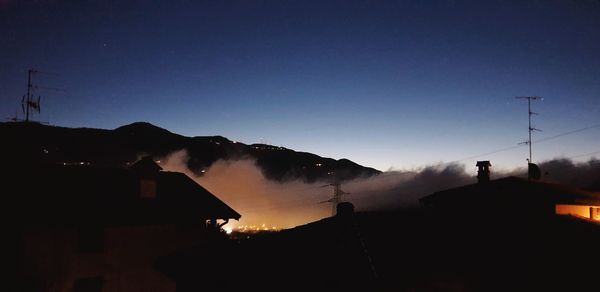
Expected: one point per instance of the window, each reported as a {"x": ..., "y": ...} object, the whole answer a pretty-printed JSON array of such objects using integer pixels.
[
  {"x": 148, "y": 188},
  {"x": 595, "y": 213}
]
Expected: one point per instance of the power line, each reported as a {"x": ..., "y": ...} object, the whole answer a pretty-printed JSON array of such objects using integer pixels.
[
  {"x": 255, "y": 206},
  {"x": 487, "y": 153},
  {"x": 260, "y": 208},
  {"x": 521, "y": 145},
  {"x": 568, "y": 133},
  {"x": 583, "y": 155}
]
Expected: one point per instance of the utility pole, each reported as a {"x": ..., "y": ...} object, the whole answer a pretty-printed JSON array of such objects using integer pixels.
[
  {"x": 531, "y": 129},
  {"x": 337, "y": 196}
]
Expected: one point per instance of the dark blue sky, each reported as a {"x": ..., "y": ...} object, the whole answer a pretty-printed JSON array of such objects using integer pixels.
[{"x": 385, "y": 83}]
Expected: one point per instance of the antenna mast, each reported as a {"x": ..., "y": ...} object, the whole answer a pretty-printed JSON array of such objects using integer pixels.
[
  {"x": 28, "y": 103},
  {"x": 531, "y": 129}
]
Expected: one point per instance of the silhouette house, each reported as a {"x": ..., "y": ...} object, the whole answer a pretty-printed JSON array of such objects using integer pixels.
[
  {"x": 84, "y": 228},
  {"x": 519, "y": 234},
  {"x": 513, "y": 195}
]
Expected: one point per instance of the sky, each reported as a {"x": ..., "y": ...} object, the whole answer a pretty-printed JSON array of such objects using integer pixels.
[{"x": 387, "y": 84}]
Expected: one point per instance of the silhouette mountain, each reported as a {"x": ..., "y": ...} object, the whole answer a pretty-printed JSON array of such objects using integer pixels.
[{"x": 38, "y": 143}]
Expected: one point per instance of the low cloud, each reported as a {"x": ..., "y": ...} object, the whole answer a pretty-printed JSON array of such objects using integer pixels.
[
  {"x": 565, "y": 171},
  {"x": 242, "y": 185},
  {"x": 395, "y": 189}
]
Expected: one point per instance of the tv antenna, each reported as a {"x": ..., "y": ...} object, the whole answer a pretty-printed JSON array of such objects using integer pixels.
[
  {"x": 29, "y": 104},
  {"x": 337, "y": 198},
  {"x": 531, "y": 129}
]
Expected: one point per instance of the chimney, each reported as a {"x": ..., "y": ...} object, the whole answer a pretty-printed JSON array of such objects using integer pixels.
[
  {"x": 533, "y": 171},
  {"x": 483, "y": 171}
]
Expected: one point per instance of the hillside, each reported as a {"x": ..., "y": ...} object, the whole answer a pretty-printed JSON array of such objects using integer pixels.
[{"x": 50, "y": 144}]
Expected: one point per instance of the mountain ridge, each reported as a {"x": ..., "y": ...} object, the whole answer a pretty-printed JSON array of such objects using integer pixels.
[{"x": 34, "y": 142}]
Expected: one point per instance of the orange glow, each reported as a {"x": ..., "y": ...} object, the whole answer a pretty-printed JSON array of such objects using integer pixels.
[
  {"x": 591, "y": 212},
  {"x": 243, "y": 186},
  {"x": 254, "y": 228}
]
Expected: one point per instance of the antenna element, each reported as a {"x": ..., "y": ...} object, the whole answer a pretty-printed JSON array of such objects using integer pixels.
[{"x": 531, "y": 129}]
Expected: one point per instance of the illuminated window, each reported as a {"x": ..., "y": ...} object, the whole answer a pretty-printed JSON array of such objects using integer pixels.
[{"x": 595, "y": 213}]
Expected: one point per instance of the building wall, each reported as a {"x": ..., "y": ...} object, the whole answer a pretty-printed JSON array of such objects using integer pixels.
[
  {"x": 579, "y": 210},
  {"x": 148, "y": 188},
  {"x": 51, "y": 258}
]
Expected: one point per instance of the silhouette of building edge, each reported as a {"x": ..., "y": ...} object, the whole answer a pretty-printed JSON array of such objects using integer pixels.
[
  {"x": 85, "y": 228},
  {"x": 527, "y": 198}
]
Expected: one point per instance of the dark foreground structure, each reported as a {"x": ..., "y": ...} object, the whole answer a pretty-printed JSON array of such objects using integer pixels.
[
  {"x": 81, "y": 228},
  {"x": 84, "y": 228},
  {"x": 508, "y": 247}
]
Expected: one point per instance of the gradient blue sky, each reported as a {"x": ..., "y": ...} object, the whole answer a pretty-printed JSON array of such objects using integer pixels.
[{"x": 387, "y": 84}]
